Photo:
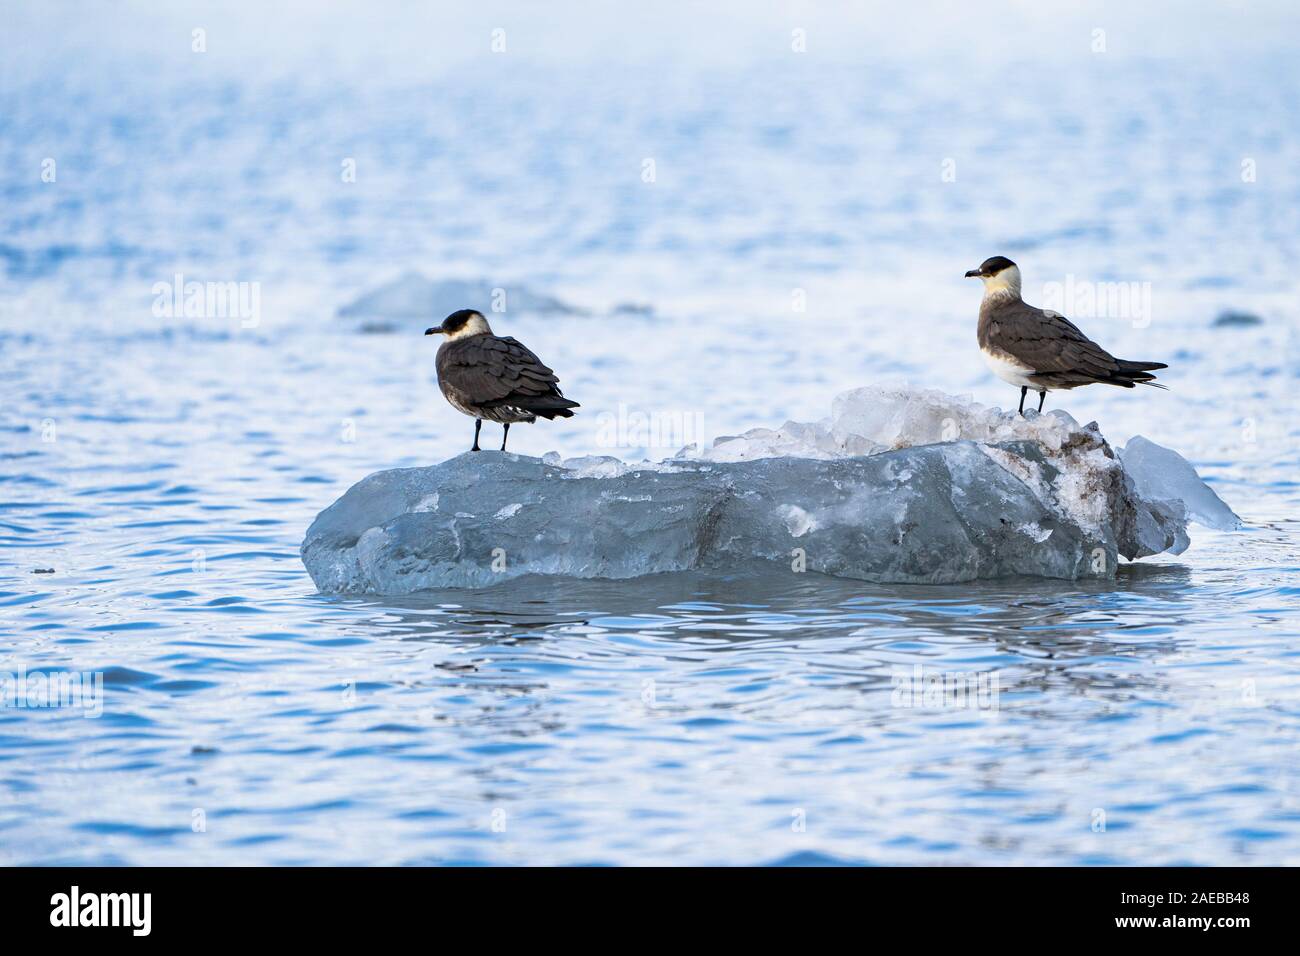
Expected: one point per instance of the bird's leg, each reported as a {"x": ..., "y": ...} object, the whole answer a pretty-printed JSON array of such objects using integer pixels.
[
  {"x": 504, "y": 436},
  {"x": 1024, "y": 390},
  {"x": 1042, "y": 397},
  {"x": 478, "y": 423}
]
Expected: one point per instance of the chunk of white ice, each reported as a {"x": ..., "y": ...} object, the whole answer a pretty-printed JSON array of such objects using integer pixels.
[{"x": 1160, "y": 474}]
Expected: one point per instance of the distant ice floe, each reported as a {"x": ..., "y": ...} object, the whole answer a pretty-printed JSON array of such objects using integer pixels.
[
  {"x": 412, "y": 298},
  {"x": 1233, "y": 318},
  {"x": 897, "y": 485}
]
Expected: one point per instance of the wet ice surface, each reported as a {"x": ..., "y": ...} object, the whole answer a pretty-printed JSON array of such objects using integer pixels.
[
  {"x": 166, "y": 469},
  {"x": 898, "y": 486}
]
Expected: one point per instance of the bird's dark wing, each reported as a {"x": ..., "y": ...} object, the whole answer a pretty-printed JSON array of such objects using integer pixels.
[
  {"x": 490, "y": 370},
  {"x": 1050, "y": 344}
]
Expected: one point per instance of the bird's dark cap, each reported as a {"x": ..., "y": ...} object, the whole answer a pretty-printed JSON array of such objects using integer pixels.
[
  {"x": 454, "y": 321},
  {"x": 991, "y": 267}
]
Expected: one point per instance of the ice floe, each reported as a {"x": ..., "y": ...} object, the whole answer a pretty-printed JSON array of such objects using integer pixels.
[{"x": 896, "y": 485}]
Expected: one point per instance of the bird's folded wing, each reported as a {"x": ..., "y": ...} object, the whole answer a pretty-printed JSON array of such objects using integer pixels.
[
  {"x": 1046, "y": 341},
  {"x": 497, "y": 370}
]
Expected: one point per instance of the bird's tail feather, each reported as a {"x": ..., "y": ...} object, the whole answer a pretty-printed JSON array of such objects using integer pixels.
[
  {"x": 552, "y": 407},
  {"x": 1139, "y": 373}
]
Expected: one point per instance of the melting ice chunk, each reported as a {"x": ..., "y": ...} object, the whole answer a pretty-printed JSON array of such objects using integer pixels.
[
  {"x": 1160, "y": 474},
  {"x": 897, "y": 485}
]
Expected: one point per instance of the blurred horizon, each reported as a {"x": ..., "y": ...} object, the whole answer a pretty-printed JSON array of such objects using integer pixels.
[
  {"x": 525, "y": 164},
  {"x": 413, "y": 38}
]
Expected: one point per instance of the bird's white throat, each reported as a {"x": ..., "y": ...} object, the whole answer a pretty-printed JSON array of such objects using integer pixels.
[
  {"x": 1004, "y": 283},
  {"x": 475, "y": 325}
]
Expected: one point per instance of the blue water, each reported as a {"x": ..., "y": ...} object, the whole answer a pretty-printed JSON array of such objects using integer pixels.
[{"x": 164, "y": 470}]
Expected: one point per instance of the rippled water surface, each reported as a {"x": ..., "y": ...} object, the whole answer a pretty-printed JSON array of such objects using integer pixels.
[{"x": 157, "y": 474}]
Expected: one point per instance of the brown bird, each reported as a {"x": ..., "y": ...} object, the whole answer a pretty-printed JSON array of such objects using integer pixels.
[
  {"x": 1041, "y": 349},
  {"x": 494, "y": 377}
]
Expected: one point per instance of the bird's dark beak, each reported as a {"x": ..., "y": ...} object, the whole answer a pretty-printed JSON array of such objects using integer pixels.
[
  {"x": 436, "y": 330},
  {"x": 973, "y": 274}
]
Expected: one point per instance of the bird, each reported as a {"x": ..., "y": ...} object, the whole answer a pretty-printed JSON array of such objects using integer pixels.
[
  {"x": 1041, "y": 349},
  {"x": 493, "y": 376}
]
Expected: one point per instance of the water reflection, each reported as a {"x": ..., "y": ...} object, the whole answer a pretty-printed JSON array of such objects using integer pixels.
[{"x": 1041, "y": 637}]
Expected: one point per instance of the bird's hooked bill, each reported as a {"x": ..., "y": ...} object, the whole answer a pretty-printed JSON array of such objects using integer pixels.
[
  {"x": 437, "y": 329},
  {"x": 973, "y": 273}
]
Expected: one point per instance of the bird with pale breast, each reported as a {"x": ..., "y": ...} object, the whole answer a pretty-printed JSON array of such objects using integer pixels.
[
  {"x": 494, "y": 377},
  {"x": 1041, "y": 349}
]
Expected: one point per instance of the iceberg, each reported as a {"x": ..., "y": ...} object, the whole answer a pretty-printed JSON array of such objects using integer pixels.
[
  {"x": 412, "y": 296},
  {"x": 897, "y": 486}
]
